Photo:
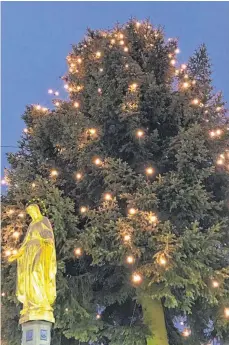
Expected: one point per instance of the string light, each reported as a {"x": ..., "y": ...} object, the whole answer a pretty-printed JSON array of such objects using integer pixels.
[
  {"x": 126, "y": 49},
  {"x": 50, "y": 91},
  {"x": 3, "y": 182},
  {"x": 16, "y": 234},
  {"x": 186, "y": 76},
  {"x": 195, "y": 101},
  {"x": 215, "y": 283},
  {"x": 218, "y": 131},
  {"x": 212, "y": 134},
  {"x": 10, "y": 212},
  {"x": 185, "y": 85},
  {"x": 126, "y": 65},
  {"x": 78, "y": 251},
  {"x": 149, "y": 171},
  {"x": 54, "y": 173},
  {"x": 101, "y": 70},
  {"x": 112, "y": 41},
  {"x": 25, "y": 130},
  {"x": 107, "y": 197},
  {"x": 127, "y": 238},
  {"x": 98, "y": 316},
  {"x": 66, "y": 309},
  {"x": 79, "y": 60},
  {"x": 14, "y": 251},
  {"x": 226, "y": 312},
  {"x": 83, "y": 209},
  {"x": 130, "y": 259},
  {"x": 98, "y": 54},
  {"x": 177, "y": 51},
  {"x": 99, "y": 90},
  {"x": 170, "y": 56},
  {"x": 44, "y": 109},
  {"x": 186, "y": 332},
  {"x": 153, "y": 218},
  {"x": 21, "y": 215},
  {"x": 97, "y": 161},
  {"x": 132, "y": 211},
  {"x": 66, "y": 86},
  {"x": 219, "y": 162},
  {"x": 173, "y": 62},
  {"x": 183, "y": 66},
  {"x": 76, "y": 104},
  {"x": 33, "y": 185},
  {"x": 57, "y": 104},
  {"x": 121, "y": 36},
  {"x": 138, "y": 24},
  {"x": 56, "y": 93},
  {"x": 136, "y": 278},
  {"x": 162, "y": 260},
  {"x": 121, "y": 42},
  {"x": 78, "y": 176},
  {"x": 218, "y": 109},
  {"x": 3, "y": 294},
  {"x": 92, "y": 131},
  {"x": 193, "y": 82},
  {"x": 140, "y": 133},
  {"x": 8, "y": 252}
]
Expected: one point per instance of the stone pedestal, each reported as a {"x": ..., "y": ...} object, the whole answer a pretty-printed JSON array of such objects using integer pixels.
[{"x": 36, "y": 333}]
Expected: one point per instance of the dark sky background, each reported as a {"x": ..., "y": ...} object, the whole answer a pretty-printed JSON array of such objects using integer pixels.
[{"x": 37, "y": 36}]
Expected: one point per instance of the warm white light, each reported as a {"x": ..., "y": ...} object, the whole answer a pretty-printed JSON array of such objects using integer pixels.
[
  {"x": 149, "y": 171},
  {"x": 10, "y": 212},
  {"x": 212, "y": 134},
  {"x": 218, "y": 108},
  {"x": 107, "y": 196},
  {"x": 44, "y": 109},
  {"x": 162, "y": 260},
  {"x": 177, "y": 51},
  {"x": 14, "y": 251},
  {"x": 16, "y": 234},
  {"x": 112, "y": 41},
  {"x": 172, "y": 62},
  {"x": 215, "y": 284},
  {"x": 193, "y": 82},
  {"x": 79, "y": 60},
  {"x": 185, "y": 85},
  {"x": 76, "y": 104},
  {"x": 186, "y": 333},
  {"x": 50, "y": 91},
  {"x": 66, "y": 309},
  {"x": 78, "y": 251},
  {"x": 138, "y": 24},
  {"x": 121, "y": 42},
  {"x": 126, "y": 65},
  {"x": 83, "y": 209},
  {"x": 195, "y": 101},
  {"x": 153, "y": 218},
  {"x": 186, "y": 76},
  {"x": 3, "y": 294},
  {"x": 132, "y": 211},
  {"x": 126, "y": 238},
  {"x": 38, "y": 107},
  {"x": 3, "y": 182},
  {"x": 101, "y": 70},
  {"x": 8, "y": 252},
  {"x": 226, "y": 312},
  {"x": 140, "y": 133},
  {"x": 56, "y": 93},
  {"x": 21, "y": 215},
  {"x": 99, "y": 90},
  {"x": 121, "y": 36},
  {"x": 54, "y": 173},
  {"x": 218, "y": 131},
  {"x": 130, "y": 259},
  {"x": 170, "y": 56},
  {"x": 125, "y": 49},
  {"x": 92, "y": 131},
  {"x": 98, "y": 316},
  {"x": 66, "y": 86},
  {"x": 57, "y": 104},
  {"x": 78, "y": 176},
  {"x": 97, "y": 161},
  {"x": 136, "y": 278},
  {"x": 33, "y": 185},
  {"x": 183, "y": 66},
  {"x": 219, "y": 162},
  {"x": 98, "y": 54}
]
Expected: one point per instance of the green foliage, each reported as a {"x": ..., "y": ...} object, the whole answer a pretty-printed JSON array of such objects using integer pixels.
[{"x": 188, "y": 192}]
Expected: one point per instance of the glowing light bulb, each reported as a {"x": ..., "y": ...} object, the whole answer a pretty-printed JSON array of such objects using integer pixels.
[
  {"x": 16, "y": 234},
  {"x": 66, "y": 309},
  {"x": 79, "y": 60},
  {"x": 130, "y": 259},
  {"x": 132, "y": 211},
  {"x": 186, "y": 332},
  {"x": 98, "y": 54},
  {"x": 97, "y": 161},
  {"x": 140, "y": 133},
  {"x": 92, "y": 131},
  {"x": 78, "y": 251},
  {"x": 33, "y": 185},
  {"x": 121, "y": 42},
  {"x": 226, "y": 312},
  {"x": 218, "y": 109},
  {"x": 138, "y": 24},
  {"x": 218, "y": 131},
  {"x": 56, "y": 93},
  {"x": 99, "y": 90},
  {"x": 193, "y": 82},
  {"x": 153, "y": 218},
  {"x": 185, "y": 85},
  {"x": 8, "y": 252},
  {"x": 66, "y": 86},
  {"x": 125, "y": 49},
  {"x": 182, "y": 323},
  {"x": 112, "y": 41},
  {"x": 215, "y": 283},
  {"x": 121, "y": 36},
  {"x": 83, "y": 209},
  {"x": 183, "y": 66},
  {"x": 136, "y": 278},
  {"x": 127, "y": 238},
  {"x": 44, "y": 109},
  {"x": 54, "y": 173},
  {"x": 162, "y": 260},
  {"x": 107, "y": 196},
  {"x": 57, "y": 104},
  {"x": 177, "y": 51},
  {"x": 170, "y": 56},
  {"x": 149, "y": 171},
  {"x": 3, "y": 182},
  {"x": 172, "y": 62},
  {"x": 21, "y": 215},
  {"x": 177, "y": 71},
  {"x": 38, "y": 107},
  {"x": 3, "y": 294},
  {"x": 126, "y": 65},
  {"x": 78, "y": 176},
  {"x": 195, "y": 101},
  {"x": 25, "y": 130},
  {"x": 219, "y": 162},
  {"x": 98, "y": 316},
  {"x": 14, "y": 251},
  {"x": 101, "y": 70},
  {"x": 186, "y": 76},
  {"x": 76, "y": 104},
  {"x": 50, "y": 91},
  {"x": 212, "y": 134},
  {"x": 11, "y": 212}
]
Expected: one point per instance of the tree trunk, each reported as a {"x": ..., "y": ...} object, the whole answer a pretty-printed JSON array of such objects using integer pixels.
[{"x": 153, "y": 315}]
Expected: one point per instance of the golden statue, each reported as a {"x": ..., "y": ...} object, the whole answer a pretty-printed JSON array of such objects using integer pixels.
[{"x": 36, "y": 269}]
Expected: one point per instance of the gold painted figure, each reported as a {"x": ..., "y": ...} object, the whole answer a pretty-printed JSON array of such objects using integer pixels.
[{"x": 36, "y": 269}]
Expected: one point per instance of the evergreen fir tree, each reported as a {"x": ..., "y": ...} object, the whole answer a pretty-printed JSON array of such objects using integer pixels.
[{"x": 133, "y": 173}]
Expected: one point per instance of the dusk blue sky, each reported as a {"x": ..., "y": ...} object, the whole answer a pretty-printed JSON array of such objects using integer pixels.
[{"x": 37, "y": 36}]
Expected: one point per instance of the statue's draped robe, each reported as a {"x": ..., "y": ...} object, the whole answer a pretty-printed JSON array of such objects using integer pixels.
[{"x": 36, "y": 284}]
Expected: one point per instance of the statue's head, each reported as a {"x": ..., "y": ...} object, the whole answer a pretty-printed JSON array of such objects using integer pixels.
[{"x": 33, "y": 210}]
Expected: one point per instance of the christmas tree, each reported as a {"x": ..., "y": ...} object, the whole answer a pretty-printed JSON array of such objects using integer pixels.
[{"x": 132, "y": 171}]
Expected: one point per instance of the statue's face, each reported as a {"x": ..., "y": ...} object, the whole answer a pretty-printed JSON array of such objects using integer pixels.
[{"x": 33, "y": 210}]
